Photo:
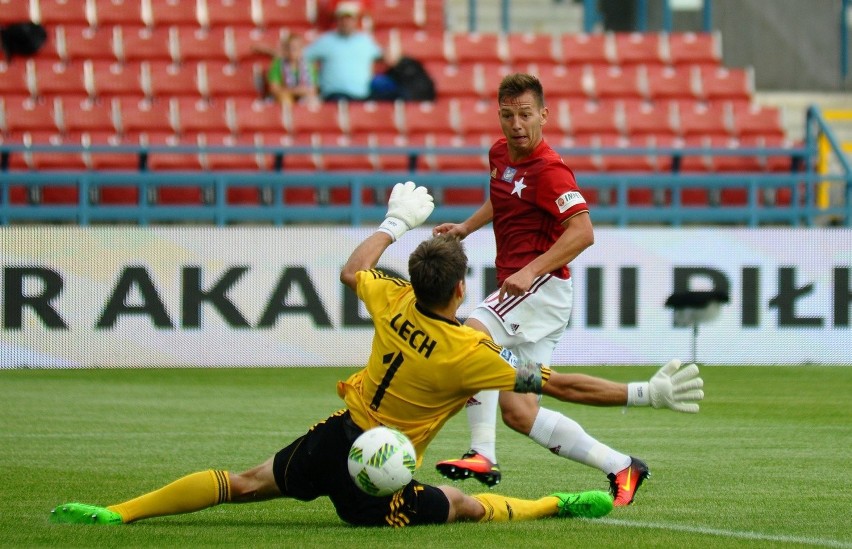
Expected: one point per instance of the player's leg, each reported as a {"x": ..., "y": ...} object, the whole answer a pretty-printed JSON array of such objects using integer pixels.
[
  {"x": 496, "y": 508},
  {"x": 187, "y": 494},
  {"x": 480, "y": 461}
]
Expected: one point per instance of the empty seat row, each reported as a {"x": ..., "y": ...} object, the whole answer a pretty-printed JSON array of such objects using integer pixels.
[
  {"x": 600, "y": 81},
  {"x": 464, "y": 117},
  {"x": 610, "y": 48},
  {"x": 150, "y": 79},
  {"x": 296, "y": 15}
]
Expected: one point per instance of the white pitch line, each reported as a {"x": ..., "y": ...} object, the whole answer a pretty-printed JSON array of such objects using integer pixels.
[{"x": 729, "y": 533}]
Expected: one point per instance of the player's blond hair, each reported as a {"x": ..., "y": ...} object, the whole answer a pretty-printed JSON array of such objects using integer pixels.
[{"x": 435, "y": 267}]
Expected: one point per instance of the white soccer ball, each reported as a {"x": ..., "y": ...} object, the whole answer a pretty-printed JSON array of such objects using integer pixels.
[{"x": 381, "y": 461}]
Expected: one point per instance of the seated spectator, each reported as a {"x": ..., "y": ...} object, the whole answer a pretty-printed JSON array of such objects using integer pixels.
[
  {"x": 291, "y": 77},
  {"x": 346, "y": 57}
]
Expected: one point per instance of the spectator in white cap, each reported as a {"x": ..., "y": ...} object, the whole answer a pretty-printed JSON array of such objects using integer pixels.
[{"x": 346, "y": 56}]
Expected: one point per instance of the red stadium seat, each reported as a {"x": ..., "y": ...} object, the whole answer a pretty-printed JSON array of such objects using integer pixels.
[
  {"x": 531, "y": 47},
  {"x": 16, "y": 11},
  {"x": 305, "y": 118},
  {"x": 86, "y": 115},
  {"x": 77, "y": 43},
  {"x": 477, "y": 117},
  {"x": 482, "y": 47},
  {"x": 648, "y": 119},
  {"x": 373, "y": 116},
  {"x": 589, "y": 118},
  {"x": 561, "y": 82},
  {"x": 240, "y": 43},
  {"x": 110, "y": 79},
  {"x": 424, "y": 45},
  {"x": 63, "y": 12},
  {"x": 164, "y": 79},
  {"x": 54, "y": 78},
  {"x": 201, "y": 44},
  {"x": 616, "y": 82},
  {"x": 665, "y": 82},
  {"x": 638, "y": 162},
  {"x": 145, "y": 43},
  {"x": 390, "y": 162},
  {"x": 704, "y": 120},
  {"x": 144, "y": 115},
  {"x": 251, "y": 116},
  {"x": 690, "y": 48},
  {"x": 722, "y": 163},
  {"x": 295, "y": 15},
  {"x": 295, "y": 161},
  {"x": 236, "y": 161},
  {"x": 749, "y": 120},
  {"x": 453, "y": 81},
  {"x": 118, "y": 160},
  {"x": 428, "y": 116},
  {"x": 490, "y": 76},
  {"x": 229, "y": 12},
  {"x": 222, "y": 79},
  {"x": 15, "y": 79},
  {"x": 55, "y": 160},
  {"x": 200, "y": 116},
  {"x": 387, "y": 14},
  {"x": 580, "y": 162},
  {"x": 645, "y": 48},
  {"x": 582, "y": 49},
  {"x": 173, "y": 12},
  {"x": 333, "y": 161},
  {"x": 166, "y": 160},
  {"x": 730, "y": 84},
  {"x": 118, "y": 12},
  {"x": 22, "y": 114},
  {"x": 447, "y": 161}
]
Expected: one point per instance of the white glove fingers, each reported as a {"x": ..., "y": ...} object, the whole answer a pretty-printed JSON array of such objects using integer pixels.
[
  {"x": 689, "y": 408},
  {"x": 670, "y": 367},
  {"x": 688, "y": 372},
  {"x": 689, "y": 396},
  {"x": 695, "y": 383}
]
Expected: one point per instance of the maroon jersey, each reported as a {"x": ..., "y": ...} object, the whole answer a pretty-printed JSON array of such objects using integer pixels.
[{"x": 531, "y": 199}]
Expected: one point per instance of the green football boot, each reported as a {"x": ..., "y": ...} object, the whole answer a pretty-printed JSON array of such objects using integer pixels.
[
  {"x": 81, "y": 513},
  {"x": 591, "y": 504}
]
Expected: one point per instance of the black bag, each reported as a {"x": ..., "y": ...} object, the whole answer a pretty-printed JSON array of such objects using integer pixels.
[
  {"x": 413, "y": 80},
  {"x": 22, "y": 39}
]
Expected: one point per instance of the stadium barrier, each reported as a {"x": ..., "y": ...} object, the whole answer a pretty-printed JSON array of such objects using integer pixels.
[{"x": 800, "y": 187}]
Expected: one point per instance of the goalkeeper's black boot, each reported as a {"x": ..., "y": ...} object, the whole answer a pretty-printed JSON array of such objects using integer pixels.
[
  {"x": 472, "y": 464},
  {"x": 624, "y": 484}
]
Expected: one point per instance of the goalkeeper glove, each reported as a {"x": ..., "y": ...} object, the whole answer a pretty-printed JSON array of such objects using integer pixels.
[
  {"x": 408, "y": 207},
  {"x": 671, "y": 387}
]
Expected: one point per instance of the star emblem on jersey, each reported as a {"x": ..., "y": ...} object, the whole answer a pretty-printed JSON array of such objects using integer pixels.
[{"x": 519, "y": 186}]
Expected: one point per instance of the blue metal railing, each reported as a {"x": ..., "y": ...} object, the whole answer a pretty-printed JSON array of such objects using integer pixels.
[{"x": 614, "y": 205}]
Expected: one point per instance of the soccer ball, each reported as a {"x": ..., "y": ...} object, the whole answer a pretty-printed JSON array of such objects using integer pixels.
[{"x": 381, "y": 461}]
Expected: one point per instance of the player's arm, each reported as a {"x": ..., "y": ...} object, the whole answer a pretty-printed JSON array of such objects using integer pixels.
[
  {"x": 408, "y": 207},
  {"x": 579, "y": 235},
  {"x": 671, "y": 387},
  {"x": 481, "y": 217}
]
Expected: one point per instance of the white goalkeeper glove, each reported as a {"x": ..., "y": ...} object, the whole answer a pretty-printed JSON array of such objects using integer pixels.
[
  {"x": 408, "y": 207},
  {"x": 672, "y": 387}
]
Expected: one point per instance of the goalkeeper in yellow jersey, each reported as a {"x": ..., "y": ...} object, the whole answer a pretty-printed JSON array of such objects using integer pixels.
[{"x": 423, "y": 367}]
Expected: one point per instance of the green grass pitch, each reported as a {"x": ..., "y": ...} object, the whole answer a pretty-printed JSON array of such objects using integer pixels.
[{"x": 765, "y": 463}]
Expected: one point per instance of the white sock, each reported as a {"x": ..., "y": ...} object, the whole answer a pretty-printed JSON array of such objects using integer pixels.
[
  {"x": 482, "y": 419},
  {"x": 565, "y": 437}
]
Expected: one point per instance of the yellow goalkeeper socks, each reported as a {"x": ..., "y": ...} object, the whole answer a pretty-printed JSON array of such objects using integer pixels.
[
  {"x": 503, "y": 509},
  {"x": 185, "y": 495}
]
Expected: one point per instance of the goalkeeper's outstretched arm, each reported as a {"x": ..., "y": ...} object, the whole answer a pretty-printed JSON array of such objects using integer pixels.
[
  {"x": 408, "y": 207},
  {"x": 672, "y": 387}
]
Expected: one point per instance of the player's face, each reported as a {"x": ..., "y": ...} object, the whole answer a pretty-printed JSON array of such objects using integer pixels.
[{"x": 521, "y": 119}]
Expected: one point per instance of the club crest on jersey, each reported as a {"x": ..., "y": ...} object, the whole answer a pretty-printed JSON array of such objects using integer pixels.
[
  {"x": 507, "y": 355},
  {"x": 509, "y": 174},
  {"x": 569, "y": 199}
]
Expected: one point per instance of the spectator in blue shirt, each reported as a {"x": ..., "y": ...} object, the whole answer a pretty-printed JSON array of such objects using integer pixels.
[{"x": 346, "y": 57}]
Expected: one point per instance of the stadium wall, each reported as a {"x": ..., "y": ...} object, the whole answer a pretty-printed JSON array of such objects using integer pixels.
[{"x": 178, "y": 296}]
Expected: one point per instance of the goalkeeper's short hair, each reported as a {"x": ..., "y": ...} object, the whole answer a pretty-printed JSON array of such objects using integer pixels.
[{"x": 435, "y": 267}]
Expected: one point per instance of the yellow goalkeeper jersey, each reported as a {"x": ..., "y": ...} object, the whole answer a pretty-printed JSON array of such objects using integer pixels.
[{"x": 422, "y": 367}]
